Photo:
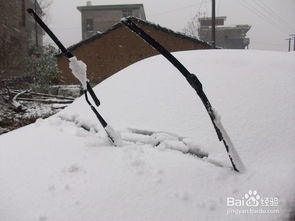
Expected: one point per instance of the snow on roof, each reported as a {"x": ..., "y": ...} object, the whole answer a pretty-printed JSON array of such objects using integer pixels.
[
  {"x": 139, "y": 21},
  {"x": 103, "y": 7},
  {"x": 64, "y": 168}
]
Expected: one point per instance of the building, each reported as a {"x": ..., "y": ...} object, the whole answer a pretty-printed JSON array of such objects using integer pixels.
[
  {"x": 18, "y": 33},
  {"x": 34, "y": 31},
  {"x": 99, "y": 18},
  {"x": 229, "y": 37},
  {"x": 108, "y": 52}
]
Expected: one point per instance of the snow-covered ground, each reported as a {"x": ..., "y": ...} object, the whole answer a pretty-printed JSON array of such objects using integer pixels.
[{"x": 56, "y": 170}]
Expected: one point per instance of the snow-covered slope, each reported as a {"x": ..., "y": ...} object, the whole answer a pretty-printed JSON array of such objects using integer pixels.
[{"x": 56, "y": 170}]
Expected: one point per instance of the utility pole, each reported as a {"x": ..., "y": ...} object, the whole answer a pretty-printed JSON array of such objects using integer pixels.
[
  {"x": 293, "y": 36},
  {"x": 213, "y": 34},
  {"x": 289, "y": 47}
]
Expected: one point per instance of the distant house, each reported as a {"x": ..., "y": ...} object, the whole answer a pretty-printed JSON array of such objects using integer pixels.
[
  {"x": 99, "y": 18},
  {"x": 18, "y": 33},
  {"x": 229, "y": 37},
  {"x": 108, "y": 52}
]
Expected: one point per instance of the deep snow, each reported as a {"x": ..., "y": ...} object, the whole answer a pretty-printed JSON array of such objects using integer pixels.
[{"x": 56, "y": 170}]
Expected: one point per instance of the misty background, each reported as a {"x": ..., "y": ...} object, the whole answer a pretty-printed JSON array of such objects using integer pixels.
[{"x": 272, "y": 21}]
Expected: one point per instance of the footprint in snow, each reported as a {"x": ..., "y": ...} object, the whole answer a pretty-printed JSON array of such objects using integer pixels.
[
  {"x": 43, "y": 218},
  {"x": 51, "y": 188},
  {"x": 182, "y": 195},
  {"x": 73, "y": 169},
  {"x": 134, "y": 158}
]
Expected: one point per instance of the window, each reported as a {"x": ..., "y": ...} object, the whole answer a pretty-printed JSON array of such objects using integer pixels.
[
  {"x": 127, "y": 12},
  {"x": 89, "y": 24}
]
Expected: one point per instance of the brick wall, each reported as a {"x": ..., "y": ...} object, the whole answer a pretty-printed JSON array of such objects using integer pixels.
[
  {"x": 17, "y": 35},
  {"x": 120, "y": 48},
  {"x": 12, "y": 38}
]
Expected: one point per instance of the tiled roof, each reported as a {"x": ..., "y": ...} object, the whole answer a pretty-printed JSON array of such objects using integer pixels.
[{"x": 138, "y": 21}]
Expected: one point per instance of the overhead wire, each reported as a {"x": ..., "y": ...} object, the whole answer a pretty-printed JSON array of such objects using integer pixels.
[
  {"x": 262, "y": 16},
  {"x": 218, "y": 7},
  {"x": 199, "y": 9},
  {"x": 273, "y": 14}
]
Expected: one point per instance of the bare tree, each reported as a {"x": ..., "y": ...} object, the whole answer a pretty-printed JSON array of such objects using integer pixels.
[
  {"x": 44, "y": 6},
  {"x": 192, "y": 27}
]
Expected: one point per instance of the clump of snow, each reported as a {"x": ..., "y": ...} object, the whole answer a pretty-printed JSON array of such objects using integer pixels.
[
  {"x": 79, "y": 69},
  {"x": 174, "y": 145},
  {"x": 49, "y": 171},
  {"x": 232, "y": 152},
  {"x": 194, "y": 147},
  {"x": 138, "y": 138},
  {"x": 161, "y": 136},
  {"x": 113, "y": 135}
]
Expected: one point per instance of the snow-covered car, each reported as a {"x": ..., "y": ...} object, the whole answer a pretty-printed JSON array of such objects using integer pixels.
[{"x": 171, "y": 165}]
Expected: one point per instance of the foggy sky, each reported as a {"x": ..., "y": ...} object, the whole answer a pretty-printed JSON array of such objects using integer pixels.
[{"x": 272, "y": 20}]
